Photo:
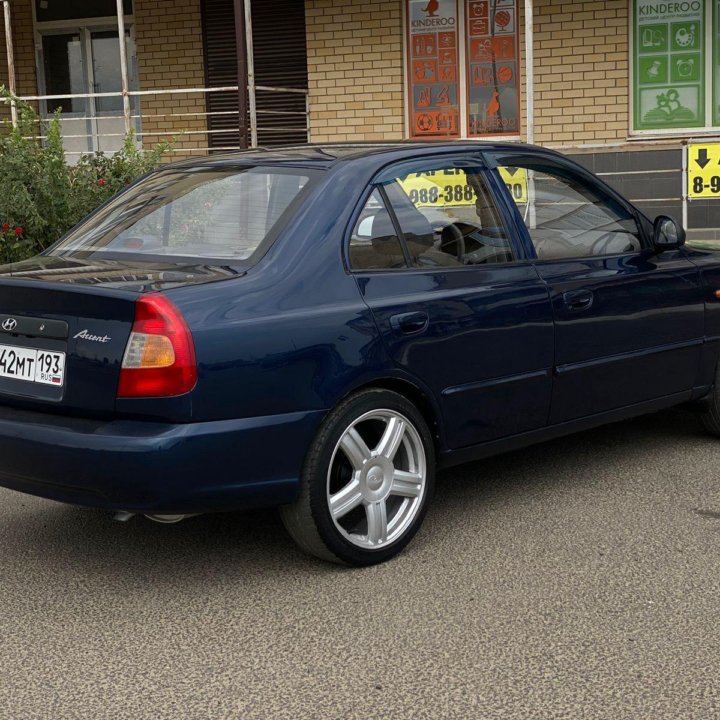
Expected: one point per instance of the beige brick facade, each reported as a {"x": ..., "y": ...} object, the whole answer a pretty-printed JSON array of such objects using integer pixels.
[
  {"x": 582, "y": 81},
  {"x": 168, "y": 37},
  {"x": 24, "y": 51},
  {"x": 356, "y": 73},
  {"x": 355, "y": 70},
  {"x": 355, "y": 65}
]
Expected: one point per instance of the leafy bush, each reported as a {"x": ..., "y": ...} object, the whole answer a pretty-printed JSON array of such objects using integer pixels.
[{"x": 41, "y": 196}]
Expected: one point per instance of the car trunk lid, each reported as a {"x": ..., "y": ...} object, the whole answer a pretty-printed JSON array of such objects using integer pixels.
[{"x": 65, "y": 323}]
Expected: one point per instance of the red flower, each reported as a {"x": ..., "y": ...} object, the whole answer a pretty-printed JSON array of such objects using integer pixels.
[
  {"x": 18, "y": 231},
  {"x": 102, "y": 182},
  {"x": 5, "y": 227}
]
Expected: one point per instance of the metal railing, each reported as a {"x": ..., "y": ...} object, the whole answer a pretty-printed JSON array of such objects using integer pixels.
[
  {"x": 249, "y": 130},
  {"x": 263, "y": 124}
]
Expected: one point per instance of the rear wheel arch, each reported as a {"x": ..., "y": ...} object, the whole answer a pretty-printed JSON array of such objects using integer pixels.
[
  {"x": 385, "y": 478},
  {"x": 421, "y": 399}
]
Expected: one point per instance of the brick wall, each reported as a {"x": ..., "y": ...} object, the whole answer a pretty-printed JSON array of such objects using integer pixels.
[
  {"x": 581, "y": 71},
  {"x": 169, "y": 53},
  {"x": 168, "y": 37},
  {"x": 24, "y": 50},
  {"x": 355, "y": 70}
]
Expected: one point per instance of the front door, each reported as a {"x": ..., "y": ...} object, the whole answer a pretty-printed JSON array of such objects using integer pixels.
[
  {"x": 461, "y": 310},
  {"x": 629, "y": 323}
]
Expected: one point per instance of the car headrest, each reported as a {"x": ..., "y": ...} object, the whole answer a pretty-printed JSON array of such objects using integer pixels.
[
  {"x": 384, "y": 238},
  {"x": 415, "y": 226}
]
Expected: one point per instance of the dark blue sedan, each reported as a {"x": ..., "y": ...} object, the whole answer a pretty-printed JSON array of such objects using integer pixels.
[{"x": 319, "y": 328}]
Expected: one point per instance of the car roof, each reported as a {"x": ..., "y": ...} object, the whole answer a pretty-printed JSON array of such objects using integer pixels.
[{"x": 326, "y": 155}]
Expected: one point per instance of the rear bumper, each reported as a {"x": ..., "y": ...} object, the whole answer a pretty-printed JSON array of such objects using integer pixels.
[{"x": 156, "y": 467}]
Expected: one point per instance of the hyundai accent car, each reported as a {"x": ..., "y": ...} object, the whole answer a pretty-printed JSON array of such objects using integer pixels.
[{"x": 319, "y": 328}]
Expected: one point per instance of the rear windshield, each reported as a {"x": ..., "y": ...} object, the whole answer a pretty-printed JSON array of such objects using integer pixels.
[{"x": 183, "y": 214}]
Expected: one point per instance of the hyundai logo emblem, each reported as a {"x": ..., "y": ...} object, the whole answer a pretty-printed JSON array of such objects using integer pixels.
[{"x": 10, "y": 324}]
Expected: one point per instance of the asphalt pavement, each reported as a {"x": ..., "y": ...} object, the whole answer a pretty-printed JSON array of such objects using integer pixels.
[{"x": 575, "y": 579}]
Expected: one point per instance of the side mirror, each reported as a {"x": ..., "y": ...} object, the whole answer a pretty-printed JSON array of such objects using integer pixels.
[{"x": 667, "y": 235}]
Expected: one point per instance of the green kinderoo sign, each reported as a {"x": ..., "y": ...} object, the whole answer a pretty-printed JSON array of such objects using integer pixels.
[{"x": 669, "y": 64}]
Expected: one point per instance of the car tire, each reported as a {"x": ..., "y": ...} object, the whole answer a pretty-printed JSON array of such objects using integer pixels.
[
  {"x": 366, "y": 483},
  {"x": 710, "y": 414}
]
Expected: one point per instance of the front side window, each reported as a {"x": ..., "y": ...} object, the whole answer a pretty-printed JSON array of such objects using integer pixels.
[
  {"x": 182, "y": 213},
  {"x": 568, "y": 217}
]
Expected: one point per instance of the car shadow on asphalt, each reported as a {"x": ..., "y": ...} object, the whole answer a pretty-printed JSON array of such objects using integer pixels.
[
  {"x": 558, "y": 461},
  {"x": 231, "y": 546}
]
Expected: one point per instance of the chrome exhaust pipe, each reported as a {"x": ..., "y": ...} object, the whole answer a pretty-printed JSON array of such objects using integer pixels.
[{"x": 169, "y": 519}]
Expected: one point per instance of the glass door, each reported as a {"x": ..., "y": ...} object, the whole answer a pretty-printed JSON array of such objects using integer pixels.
[
  {"x": 65, "y": 74},
  {"x": 81, "y": 62},
  {"x": 108, "y": 116}
]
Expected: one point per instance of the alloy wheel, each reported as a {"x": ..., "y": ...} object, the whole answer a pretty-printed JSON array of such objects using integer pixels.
[{"x": 376, "y": 481}]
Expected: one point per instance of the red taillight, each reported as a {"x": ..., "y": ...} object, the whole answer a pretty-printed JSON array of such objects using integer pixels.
[{"x": 159, "y": 359}]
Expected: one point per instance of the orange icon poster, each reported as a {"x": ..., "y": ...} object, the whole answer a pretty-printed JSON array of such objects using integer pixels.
[
  {"x": 433, "y": 72},
  {"x": 478, "y": 9},
  {"x": 478, "y": 27},
  {"x": 423, "y": 46},
  {"x": 447, "y": 73},
  {"x": 435, "y": 122},
  {"x": 493, "y": 84},
  {"x": 424, "y": 71}
]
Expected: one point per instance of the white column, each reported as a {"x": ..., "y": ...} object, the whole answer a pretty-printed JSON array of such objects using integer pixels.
[
  {"x": 529, "y": 72},
  {"x": 123, "y": 65},
  {"x": 11, "y": 61},
  {"x": 250, "y": 74}
]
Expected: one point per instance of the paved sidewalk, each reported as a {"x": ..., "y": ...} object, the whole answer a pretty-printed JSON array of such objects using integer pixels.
[{"x": 576, "y": 579}]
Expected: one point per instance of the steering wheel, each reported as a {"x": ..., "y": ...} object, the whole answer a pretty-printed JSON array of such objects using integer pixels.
[
  {"x": 458, "y": 238},
  {"x": 600, "y": 246}
]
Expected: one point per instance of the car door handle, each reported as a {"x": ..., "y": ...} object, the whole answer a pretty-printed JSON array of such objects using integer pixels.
[
  {"x": 578, "y": 299},
  {"x": 410, "y": 323}
]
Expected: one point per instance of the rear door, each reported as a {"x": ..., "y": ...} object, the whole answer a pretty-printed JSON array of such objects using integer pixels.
[
  {"x": 629, "y": 323},
  {"x": 459, "y": 306}
]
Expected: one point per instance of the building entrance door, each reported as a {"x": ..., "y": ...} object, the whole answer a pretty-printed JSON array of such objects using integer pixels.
[{"x": 82, "y": 61}]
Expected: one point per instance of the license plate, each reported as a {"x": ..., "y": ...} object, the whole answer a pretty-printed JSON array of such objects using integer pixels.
[{"x": 40, "y": 366}]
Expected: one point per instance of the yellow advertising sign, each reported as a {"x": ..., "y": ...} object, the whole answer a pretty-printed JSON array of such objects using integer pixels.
[
  {"x": 703, "y": 170},
  {"x": 515, "y": 180},
  {"x": 450, "y": 188}
]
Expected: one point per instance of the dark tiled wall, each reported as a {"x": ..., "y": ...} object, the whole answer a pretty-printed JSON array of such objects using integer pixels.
[{"x": 652, "y": 180}]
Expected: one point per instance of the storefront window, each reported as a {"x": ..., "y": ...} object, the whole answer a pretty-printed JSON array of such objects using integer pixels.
[
  {"x": 462, "y": 68},
  {"x": 676, "y": 63},
  {"x": 493, "y": 102},
  {"x": 433, "y": 45}
]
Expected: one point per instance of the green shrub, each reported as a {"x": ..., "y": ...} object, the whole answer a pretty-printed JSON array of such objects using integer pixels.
[{"x": 41, "y": 196}]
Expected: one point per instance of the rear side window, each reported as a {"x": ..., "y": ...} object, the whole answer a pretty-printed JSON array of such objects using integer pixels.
[
  {"x": 374, "y": 244},
  {"x": 448, "y": 217},
  {"x": 446, "y": 214},
  {"x": 181, "y": 213}
]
